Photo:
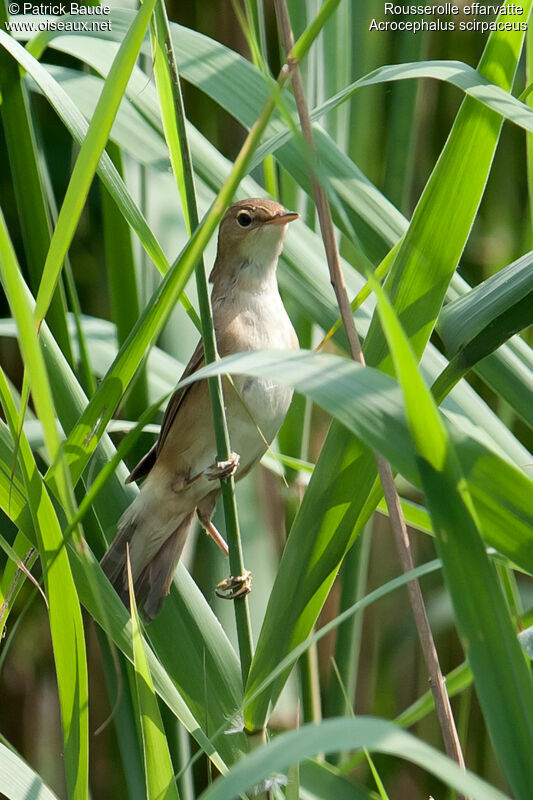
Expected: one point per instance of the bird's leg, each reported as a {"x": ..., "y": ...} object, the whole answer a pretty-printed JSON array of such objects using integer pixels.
[
  {"x": 235, "y": 586},
  {"x": 212, "y": 532},
  {"x": 223, "y": 469}
]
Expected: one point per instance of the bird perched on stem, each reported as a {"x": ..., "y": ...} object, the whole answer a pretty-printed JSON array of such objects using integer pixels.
[{"x": 181, "y": 470}]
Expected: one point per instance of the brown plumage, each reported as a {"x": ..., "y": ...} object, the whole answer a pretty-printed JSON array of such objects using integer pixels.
[{"x": 180, "y": 470}]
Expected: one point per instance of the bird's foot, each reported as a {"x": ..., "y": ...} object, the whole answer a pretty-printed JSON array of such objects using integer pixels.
[
  {"x": 223, "y": 469},
  {"x": 235, "y": 586}
]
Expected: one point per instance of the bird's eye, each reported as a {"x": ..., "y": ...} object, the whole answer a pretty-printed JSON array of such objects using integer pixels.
[{"x": 244, "y": 219}]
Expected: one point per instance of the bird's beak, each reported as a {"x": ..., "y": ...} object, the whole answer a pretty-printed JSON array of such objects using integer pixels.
[{"x": 283, "y": 219}]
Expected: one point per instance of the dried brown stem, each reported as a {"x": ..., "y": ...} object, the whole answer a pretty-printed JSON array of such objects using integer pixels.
[{"x": 436, "y": 678}]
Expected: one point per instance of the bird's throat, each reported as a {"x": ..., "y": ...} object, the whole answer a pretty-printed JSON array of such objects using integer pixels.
[{"x": 250, "y": 275}]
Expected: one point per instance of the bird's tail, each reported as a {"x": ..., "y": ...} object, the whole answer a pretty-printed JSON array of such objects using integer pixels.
[{"x": 152, "y": 572}]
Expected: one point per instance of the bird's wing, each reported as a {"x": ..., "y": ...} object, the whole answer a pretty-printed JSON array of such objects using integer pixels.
[
  {"x": 147, "y": 462},
  {"x": 175, "y": 402},
  {"x": 144, "y": 466}
]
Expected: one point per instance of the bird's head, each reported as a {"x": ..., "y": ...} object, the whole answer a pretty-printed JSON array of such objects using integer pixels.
[{"x": 250, "y": 239}]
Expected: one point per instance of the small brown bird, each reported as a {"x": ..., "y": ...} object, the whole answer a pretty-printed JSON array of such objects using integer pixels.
[{"x": 181, "y": 469}]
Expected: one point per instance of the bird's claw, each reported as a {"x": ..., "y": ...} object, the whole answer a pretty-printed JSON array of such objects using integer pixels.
[
  {"x": 223, "y": 469},
  {"x": 235, "y": 586}
]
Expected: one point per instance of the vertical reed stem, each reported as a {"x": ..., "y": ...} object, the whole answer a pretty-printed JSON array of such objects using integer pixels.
[
  {"x": 242, "y": 613},
  {"x": 436, "y": 679}
]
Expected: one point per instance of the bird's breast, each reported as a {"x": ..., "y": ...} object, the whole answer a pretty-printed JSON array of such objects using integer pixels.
[
  {"x": 255, "y": 321},
  {"x": 266, "y": 401},
  {"x": 255, "y": 415}
]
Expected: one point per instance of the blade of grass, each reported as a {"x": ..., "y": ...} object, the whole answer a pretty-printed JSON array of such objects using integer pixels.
[
  {"x": 122, "y": 450},
  {"x": 474, "y": 83},
  {"x": 70, "y": 287},
  {"x": 444, "y": 711},
  {"x": 332, "y": 735},
  {"x": 197, "y": 53},
  {"x": 21, "y": 565},
  {"x": 14, "y": 288},
  {"x": 312, "y": 291},
  {"x": 97, "y": 594},
  {"x": 403, "y": 123},
  {"x": 340, "y": 619},
  {"x": 468, "y": 316},
  {"x": 501, "y": 677},
  {"x": 420, "y": 287},
  {"x": 476, "y": 324},
  {"x": 160, "y": 781},
  {"x": 381, "y": 271},
  {"x": 78, "y": 127},
  {"x": 18, "y": 780},
  {"x": 28, "y": 184},
  {"x": 324, "y": 781},
  {"x": 357, "y": 193},
  {"x": 83, "y": 439},
  {"x": 367, "y": 403},
  {"x": 100, "y": 126},
  {"x": 252, "y": 23},
  {"x": 13, "y": 578},
  {"x": 529, "y": 136},
  {"x": 89, "y": 156},
  {"x": 116, "y": 624},
  {"x": 122, "y": 282},
  {"x": 169, "y": 88},
  {"x": 470, "y": 146},
  {"x": 186, "y": 612},
  {"x": 18, "y": 509},
  {"x": 64, "y": 613},
  {"x": 120, "y": 683},
  {"x": 353, "y": 577},
  {"x": 334, "y": 70}
]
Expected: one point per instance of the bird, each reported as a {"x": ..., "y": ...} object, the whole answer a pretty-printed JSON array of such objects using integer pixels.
[{"x": 181, "y": 473}]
